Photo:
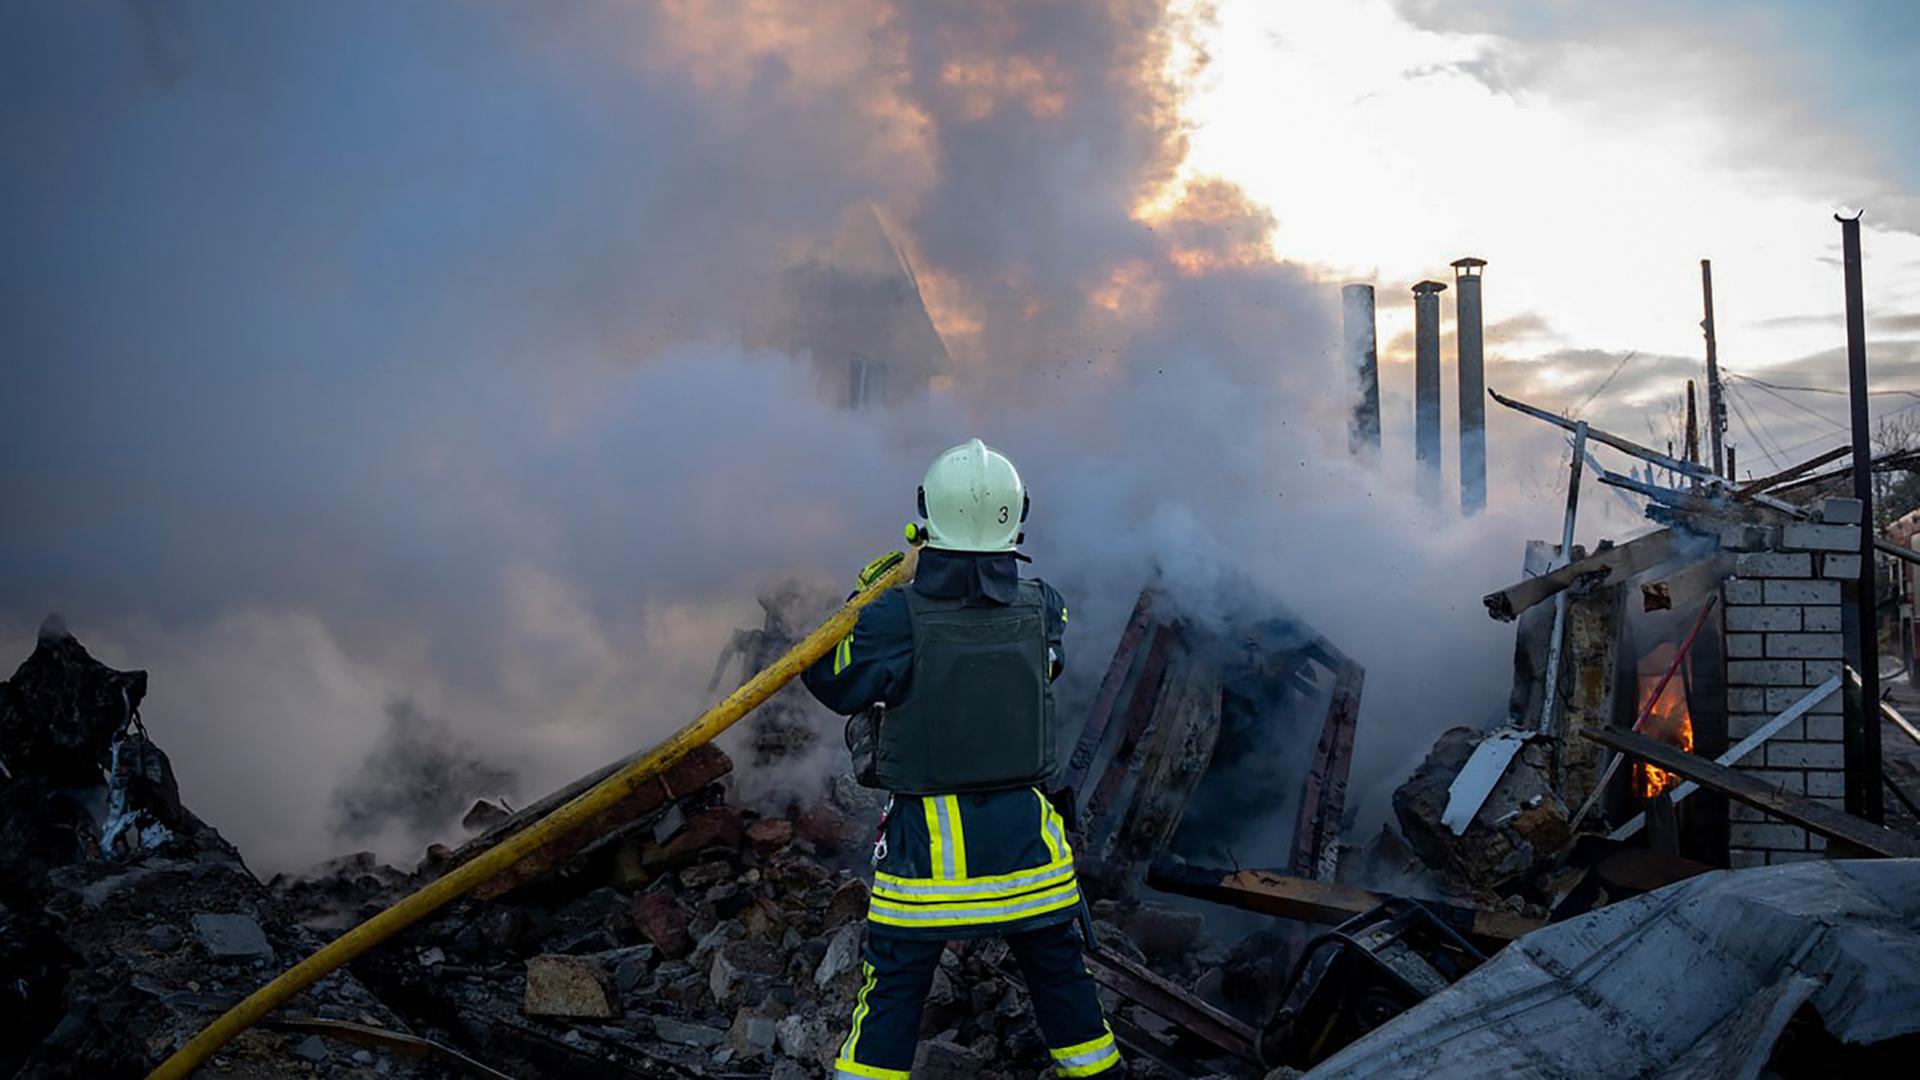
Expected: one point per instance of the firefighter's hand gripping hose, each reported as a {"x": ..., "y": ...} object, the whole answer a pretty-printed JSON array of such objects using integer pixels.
[{"x": 559, "y": 823}]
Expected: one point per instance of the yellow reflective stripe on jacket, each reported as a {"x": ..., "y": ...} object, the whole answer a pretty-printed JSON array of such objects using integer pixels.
[
  {"x": 937, "y": 858},
  {"x": 983, "y": 888},
  {"x": 958, "y": 846},
  {"x": 1087, "y": 1058},
  {"x": 843, "y": 654},
  {"x": 1047, "y": 814},
  {"x": 973, "y": 912},
  {"x": 946, "y": 838}
]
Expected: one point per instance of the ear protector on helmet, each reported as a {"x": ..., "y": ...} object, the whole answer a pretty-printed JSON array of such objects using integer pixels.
[{"x": 1026, "y": 502}]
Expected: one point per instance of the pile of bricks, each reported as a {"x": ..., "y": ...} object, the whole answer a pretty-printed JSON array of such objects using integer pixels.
[{"x": 1783, "y": 638}]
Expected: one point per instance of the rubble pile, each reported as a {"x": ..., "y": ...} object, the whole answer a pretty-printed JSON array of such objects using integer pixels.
[
  {"x": 684, "y": 937},
  {"x": 126, "y": 921}
]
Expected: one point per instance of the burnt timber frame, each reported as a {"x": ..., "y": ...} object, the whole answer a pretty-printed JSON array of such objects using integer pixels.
[
  {"x": 1270, "y": 893},
  {"x": 1323, "y": 800},
  {"x": 1164, "y": 999},
  {"x": 1616, "y": 563},
  {"x": 1131, "y": 692},
  {"x": 1742, "y": 787}
]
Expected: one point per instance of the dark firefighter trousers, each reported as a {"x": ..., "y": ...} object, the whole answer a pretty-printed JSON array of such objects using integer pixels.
[{"x": 898, "y": 973}]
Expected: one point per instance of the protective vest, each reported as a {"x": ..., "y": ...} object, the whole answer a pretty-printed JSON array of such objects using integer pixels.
[{"x": 978, "y": 712}]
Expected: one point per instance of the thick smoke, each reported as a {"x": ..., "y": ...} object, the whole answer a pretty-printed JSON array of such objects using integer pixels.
[
  {"x": 419, "y": 776},
  {"x": 363, "y": 355}
]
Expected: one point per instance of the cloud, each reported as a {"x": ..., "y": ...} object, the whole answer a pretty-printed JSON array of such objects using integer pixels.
[{"x": 1814, "y": 97}]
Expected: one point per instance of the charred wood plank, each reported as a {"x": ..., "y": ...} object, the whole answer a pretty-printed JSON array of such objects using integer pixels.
[
  {"x": 1618, "y": 563},
  {"x": 379, "y": 1038},
  {"x": 1741, "y": 787},
  {"x": 1323, "y": 798},
  {"x": 1162, "y": 998},
  {"x": 1100, "y": 716},
  {"x": 1748, "y": 491},
  {"x": 1101, "y": 816},
  {"x": 702, "y": 766},
  {"x": 1185, "y": 731},
  {"x": 1300, "y": 898}
]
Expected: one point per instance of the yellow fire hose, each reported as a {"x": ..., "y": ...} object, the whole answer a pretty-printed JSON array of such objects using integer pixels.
[{"x": 560, "y": 822}]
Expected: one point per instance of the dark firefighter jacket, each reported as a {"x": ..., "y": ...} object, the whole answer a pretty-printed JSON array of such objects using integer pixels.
[{"x": 953, "y": 866}]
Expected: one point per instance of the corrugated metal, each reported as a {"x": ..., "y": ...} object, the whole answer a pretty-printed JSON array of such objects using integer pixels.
[{"x": 1692, "y": 981}]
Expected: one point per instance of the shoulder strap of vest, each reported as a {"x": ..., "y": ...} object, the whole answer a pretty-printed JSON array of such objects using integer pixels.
[{"x": 1029, "y": 596}]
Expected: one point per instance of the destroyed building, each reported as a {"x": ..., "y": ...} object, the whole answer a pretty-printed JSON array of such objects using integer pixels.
[
  {"x": 1679, "y": 722},
  {"x": 675, "y": 934}
]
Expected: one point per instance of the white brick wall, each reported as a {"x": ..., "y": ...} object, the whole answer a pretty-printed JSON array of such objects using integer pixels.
[{"x": 1783, "y": 639}]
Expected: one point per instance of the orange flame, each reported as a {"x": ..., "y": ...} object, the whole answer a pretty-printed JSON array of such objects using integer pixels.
[{"x": 1668, "y": 722}]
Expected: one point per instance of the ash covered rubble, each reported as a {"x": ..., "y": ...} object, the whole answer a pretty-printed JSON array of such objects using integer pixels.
[
  {"x": 125, "y": 921},
  {"x": 679, "y": 934},
  {"x": 711, "y": 924}
]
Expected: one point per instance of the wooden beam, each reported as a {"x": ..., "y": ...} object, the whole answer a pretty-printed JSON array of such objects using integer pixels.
[
  {"x": 1323, "y": 794},
  {"x": 702, "y": 766},
  {"x": 1291, "y": 897},
  {"x": 1619, "y": 562},
  {"x": 1094, "y": 730},
  {"x": 1748, "y": 491},
  {"x": 1746, "y": 746},
  {"x": 1893, "y": 717},
  {"x": 1162, "y": 998},
  {"x": 1741, "y": 787}
]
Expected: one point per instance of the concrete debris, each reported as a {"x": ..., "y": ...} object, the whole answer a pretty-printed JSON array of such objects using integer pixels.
[
  {"x": 231, "y": 935},
  {"x": 97, "y": 977},
  {"x": 696, "y": 931},
  {"x": 569, "y": 986},
  {"x": 710, "y": 940},
  {"x": 842, "y": 954}
]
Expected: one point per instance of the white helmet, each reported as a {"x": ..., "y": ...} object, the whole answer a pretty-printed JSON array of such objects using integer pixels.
[{"x": 973, "y": 500}]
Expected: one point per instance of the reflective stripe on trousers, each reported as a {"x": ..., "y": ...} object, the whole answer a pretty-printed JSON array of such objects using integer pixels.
[
  {"x": 1087, "y": 1058},
  {"x": 898, "y": 972}
]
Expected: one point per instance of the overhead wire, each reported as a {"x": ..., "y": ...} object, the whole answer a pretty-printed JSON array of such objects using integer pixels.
[
  {"x": 1604, "y": 383},
  {"x": 1818, "y": 389},
  {"x": 1755, "y": 431},
  {"x": 1817, "y": 438},
  {"x": 1770, "y": 391},
  {"x": 1798, "y": 425}
]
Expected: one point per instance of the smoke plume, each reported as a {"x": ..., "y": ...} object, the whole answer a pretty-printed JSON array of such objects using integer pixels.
[{"x": 366, "y": 358}]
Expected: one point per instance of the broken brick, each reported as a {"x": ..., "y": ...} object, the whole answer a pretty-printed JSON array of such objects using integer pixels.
[
  {"x": 769, "y": 836},
  {"x": 663, "y": 922}
]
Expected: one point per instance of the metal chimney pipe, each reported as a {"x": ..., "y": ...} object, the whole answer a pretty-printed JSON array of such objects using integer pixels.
[
  {"x": 1426, "y": 389},
  {"x": 1469, "y": 348},
  {"x": 1361, "y": 348}
]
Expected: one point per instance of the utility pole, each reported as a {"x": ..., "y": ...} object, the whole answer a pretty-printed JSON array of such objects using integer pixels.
[
  {"x": 1862, "y": 733},
  {"x": 1716, "y": 404}
]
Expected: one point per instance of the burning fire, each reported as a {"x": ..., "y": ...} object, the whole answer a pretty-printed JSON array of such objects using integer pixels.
[{"x": 1668, "y": 722}]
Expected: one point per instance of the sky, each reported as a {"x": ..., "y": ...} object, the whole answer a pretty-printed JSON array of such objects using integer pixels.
[
  {"x": 407, "y": 387},
  {"x": 1593, "y": 154}
]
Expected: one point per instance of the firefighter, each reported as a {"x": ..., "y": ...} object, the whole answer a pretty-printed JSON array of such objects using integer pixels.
[{"x": 948, "y": 685}]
